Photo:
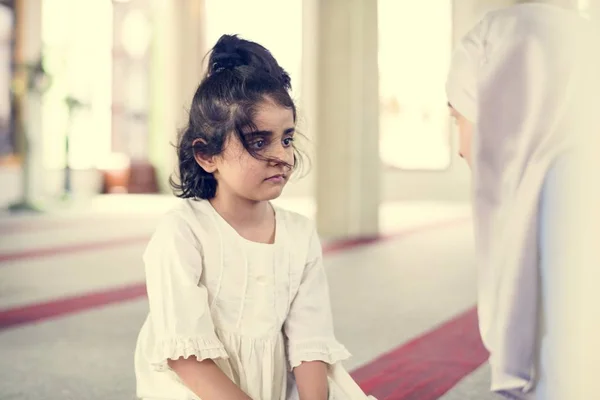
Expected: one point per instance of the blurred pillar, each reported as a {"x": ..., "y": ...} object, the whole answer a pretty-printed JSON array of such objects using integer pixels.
[
  {"x": 348, "y": 167},
  {"x": 132, "y": 35},
  {"x": 307, "y": 108},
  {"x": 7, "y": 35},
  {"x": 28, "y": 52},
  {"x": 176, "y": 69}
]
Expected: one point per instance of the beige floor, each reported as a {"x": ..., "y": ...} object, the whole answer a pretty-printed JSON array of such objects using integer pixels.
[{"x": 382, "y": 295}]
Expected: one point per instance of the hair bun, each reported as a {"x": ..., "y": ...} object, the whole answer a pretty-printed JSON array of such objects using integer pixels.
[
  {"x": 226, "y": 54},
  {"x": 231, "y": 52},
  {"x": 226, "y": 61}
]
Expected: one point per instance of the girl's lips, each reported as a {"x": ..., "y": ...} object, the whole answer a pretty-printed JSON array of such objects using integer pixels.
[{"x": 280, "y": 178}]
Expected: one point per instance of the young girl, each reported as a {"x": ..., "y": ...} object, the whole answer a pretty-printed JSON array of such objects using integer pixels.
[{"x": 239, "y": 302}]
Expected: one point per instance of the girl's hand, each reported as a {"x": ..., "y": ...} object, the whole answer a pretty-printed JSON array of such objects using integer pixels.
[
  {"x": 206, "y": 379},
  {"x": 311, "y": 379}
]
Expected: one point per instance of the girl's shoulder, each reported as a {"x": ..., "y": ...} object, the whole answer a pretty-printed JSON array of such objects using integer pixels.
[
  {"x": 297, "y": 225},
  {"x": 187, "y": 218}
]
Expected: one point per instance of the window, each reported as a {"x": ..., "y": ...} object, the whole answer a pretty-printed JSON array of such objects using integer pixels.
[
  {"x": 77, "y": 46},
  {"x": 415, "y": 44}
]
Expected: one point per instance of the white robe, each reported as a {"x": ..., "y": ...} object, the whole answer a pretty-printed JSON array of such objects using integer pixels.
[{"x": 519, "y": 76}]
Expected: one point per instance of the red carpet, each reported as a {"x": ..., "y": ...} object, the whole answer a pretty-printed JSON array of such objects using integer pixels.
[
  {"x": 428, "y": 366},
  {"x": 68, "y": 305},
  {"x": 70, "y": 249}
]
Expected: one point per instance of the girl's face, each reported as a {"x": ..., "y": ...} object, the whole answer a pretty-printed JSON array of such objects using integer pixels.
[
  {"x": 465, "y": 131},
  {"x": 243, "y": 176}
]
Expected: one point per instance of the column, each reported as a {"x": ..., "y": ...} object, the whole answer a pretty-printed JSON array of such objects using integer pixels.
[
  {"x": 347, "y": 119},
  {"x": 132, "y": 36},
  {"x": 28, "y": 54},
  {"x": 177, "y": 67}
]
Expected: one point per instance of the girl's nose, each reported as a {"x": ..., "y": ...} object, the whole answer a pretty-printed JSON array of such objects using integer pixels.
[{"x": 282, "y": 155}]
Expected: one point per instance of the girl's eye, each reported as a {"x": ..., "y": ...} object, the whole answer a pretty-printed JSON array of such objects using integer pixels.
[
  {"x": 288, "y": 141},
  {"x": 258, "y": 144}
]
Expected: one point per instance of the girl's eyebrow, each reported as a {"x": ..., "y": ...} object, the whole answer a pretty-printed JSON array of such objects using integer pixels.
[
  {"x": 288, "y": 131},
  {"x": 258, "y": 133}
]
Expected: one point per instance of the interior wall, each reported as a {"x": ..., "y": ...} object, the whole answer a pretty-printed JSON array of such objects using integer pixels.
[
  {"x": 397, "y": 185},
  {"x": 452, "y": 184}
]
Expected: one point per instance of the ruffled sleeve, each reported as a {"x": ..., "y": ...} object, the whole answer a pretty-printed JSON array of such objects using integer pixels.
[
  {"x": 179, "y": 310},
  {"x": 309, "y": 325}
]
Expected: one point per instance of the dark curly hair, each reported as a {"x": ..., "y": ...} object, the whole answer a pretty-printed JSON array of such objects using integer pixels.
[{"x": 241, "y": 75}]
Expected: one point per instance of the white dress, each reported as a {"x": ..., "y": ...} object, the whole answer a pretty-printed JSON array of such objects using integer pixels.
[{"x": 257, "y": 310}]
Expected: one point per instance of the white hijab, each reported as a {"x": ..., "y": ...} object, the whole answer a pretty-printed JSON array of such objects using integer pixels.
[{"x": 517, "y": 76}]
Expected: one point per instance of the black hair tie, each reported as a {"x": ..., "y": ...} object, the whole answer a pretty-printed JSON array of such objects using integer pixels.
[{"x": 227, "y": 61}]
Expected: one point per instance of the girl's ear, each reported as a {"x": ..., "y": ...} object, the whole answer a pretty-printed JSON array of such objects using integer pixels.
[{"x": 207, "y": 163}]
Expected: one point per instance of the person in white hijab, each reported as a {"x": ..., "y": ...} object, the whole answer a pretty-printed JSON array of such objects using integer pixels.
[{"x": 516, "y": 87}]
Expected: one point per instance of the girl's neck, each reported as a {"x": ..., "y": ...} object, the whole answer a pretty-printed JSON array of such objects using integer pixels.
[{"x": 241, "y": 213}]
